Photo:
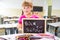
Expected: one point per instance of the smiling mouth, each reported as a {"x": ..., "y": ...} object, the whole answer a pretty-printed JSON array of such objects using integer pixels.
[{"x": 26, "y": 11}]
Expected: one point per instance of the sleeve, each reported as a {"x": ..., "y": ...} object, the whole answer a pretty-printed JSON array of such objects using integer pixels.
[{"x": 20, "y": 20}]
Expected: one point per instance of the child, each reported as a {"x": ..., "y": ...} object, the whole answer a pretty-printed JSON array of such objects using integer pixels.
[{"x": 26, "y": 8}]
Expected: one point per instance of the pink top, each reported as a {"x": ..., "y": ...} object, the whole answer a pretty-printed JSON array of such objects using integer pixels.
[{"x": 23, "y": 16}]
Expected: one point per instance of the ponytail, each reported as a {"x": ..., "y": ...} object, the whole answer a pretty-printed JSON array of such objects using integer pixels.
[{"x": 22, "y": 13}]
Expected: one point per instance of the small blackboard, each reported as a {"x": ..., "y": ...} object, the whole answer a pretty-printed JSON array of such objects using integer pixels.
[
  {"x": 33, "y": 25},
  {"x": 37, "y": 8}
]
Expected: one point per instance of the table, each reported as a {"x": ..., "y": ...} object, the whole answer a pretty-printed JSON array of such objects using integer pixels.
[
  {"x": 10, "y": 37},
  {"x": 56, "y": 25},
  {"x": 10, "y": 21},
  {"x": 49, "y": 19},
  {"x": 9, "y": 28},
  {"x": 55, "y": 19},
  {"x": 13, "y": 36},
  {"x": 8, "y": 25}
]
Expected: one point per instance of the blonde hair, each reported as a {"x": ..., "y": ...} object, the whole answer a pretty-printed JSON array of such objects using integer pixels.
[{"x": 25, "y": 3}]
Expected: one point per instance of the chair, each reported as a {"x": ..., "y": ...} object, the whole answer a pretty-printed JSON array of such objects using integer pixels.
[{"x": 2, "y": 31}]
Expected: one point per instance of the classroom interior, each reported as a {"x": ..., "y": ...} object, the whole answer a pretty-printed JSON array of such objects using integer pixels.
[{"x": 10, "y": 11}]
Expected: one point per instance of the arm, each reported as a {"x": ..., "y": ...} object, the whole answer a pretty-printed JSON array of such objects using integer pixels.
[{"x": 19, "y": 26}]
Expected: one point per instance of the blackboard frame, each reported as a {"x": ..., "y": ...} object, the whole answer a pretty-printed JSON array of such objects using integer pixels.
[{"x": 33, "y": 19}]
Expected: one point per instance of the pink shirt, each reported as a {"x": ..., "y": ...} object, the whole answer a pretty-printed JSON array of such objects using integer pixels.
[{"x": 23, "y": 16}]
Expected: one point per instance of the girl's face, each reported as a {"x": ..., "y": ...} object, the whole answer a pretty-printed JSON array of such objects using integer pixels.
[{"x": 27, "y": 9}]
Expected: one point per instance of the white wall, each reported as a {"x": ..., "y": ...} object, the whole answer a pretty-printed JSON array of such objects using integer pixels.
[
  {"x": 10, "y": 3},
  {"x": 16, "y": 4},
  {"x": 10, "y": 7},
  {"x": 56, "y": 8},
  {"x": 41, "y": 3},
  {"x": 56, "y": 5}
]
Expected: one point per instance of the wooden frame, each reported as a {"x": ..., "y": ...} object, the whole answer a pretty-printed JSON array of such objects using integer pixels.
[{"x": 33, "y": 19}]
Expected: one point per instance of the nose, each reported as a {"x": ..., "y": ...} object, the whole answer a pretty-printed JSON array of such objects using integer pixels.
[{"x": 26, "y": 7}]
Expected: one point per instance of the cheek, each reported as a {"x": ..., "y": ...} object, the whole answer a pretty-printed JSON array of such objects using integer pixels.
[{"x": 28, "y": 9}]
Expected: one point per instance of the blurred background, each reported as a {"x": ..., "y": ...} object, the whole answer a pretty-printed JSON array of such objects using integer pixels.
[{"x": 10, "y": 11}]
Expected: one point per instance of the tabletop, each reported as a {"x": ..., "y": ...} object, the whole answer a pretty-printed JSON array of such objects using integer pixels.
[
  {"x": 13, "y": 36},
  {"x": 8, "y": 25},
  {"x": 56, "y": 24}
]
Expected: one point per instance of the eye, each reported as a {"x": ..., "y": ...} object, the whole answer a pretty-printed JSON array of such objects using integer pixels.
[
  {"x": 24, "y": 7},
  {"x": 28, "y": 7}
]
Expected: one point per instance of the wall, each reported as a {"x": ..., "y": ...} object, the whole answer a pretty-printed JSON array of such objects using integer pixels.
[
  {"x": 42, "y": 3},
  {"x": 10, "y": 12},
  {"x": 10, "y": 3},
  {"x": 12, "y": 7},
  {"x": 56, "y": 13},
  {"x": 56, "y": 8}
]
